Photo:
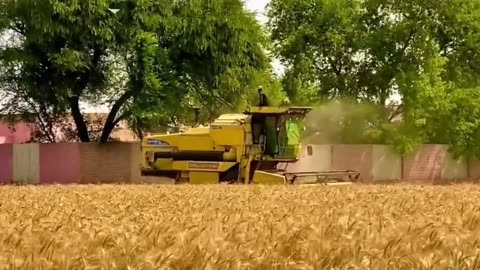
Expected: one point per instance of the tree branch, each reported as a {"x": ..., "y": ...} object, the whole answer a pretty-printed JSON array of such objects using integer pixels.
[
  {"x": 110, "y": 122},
  {"x": 82, "y": 129},
  {"x": 78, "y": 89},
  {"x": 123, "y": 116},
  {"x": 398, "y": 111}
]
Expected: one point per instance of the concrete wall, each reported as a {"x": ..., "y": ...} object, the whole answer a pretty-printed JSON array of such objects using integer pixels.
[
  {"x": 474, "y": 169},
  {"x": 453, "y": 169},
  {"x": 26, "y": 164},
  {"x": 387, "y": 165},
  {"x": 378, "y": 163},
  {"x": 375, "y": 162},
  {"x": 70, "y": 163},
  {"x": 105, "y": 163},
  {"x": 319, "y": 158}
]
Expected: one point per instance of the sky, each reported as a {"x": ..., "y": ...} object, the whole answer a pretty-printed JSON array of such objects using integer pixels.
[{"x": 258, "y": 6}]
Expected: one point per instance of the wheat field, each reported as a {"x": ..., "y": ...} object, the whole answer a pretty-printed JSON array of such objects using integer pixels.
[{"x": 240, "y": 227}]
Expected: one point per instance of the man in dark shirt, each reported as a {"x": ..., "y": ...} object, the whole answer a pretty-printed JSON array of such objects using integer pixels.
[{"x": 263, "y": 98}]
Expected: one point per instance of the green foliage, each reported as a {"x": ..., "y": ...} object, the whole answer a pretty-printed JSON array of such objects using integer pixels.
[
  {"x": 464, "y": 135},
  {"x": 271, "y": 86},
  {"x": 215, "y": 51},
  {"x": 427, "y": 51},
  {"x": 148, "y": 61}
]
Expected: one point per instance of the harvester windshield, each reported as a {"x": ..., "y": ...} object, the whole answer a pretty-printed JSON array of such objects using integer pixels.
[{"x": 294, "y": 130}]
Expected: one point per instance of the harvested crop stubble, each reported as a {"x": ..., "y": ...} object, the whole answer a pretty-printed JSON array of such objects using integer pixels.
[{"x": 239, "y": 227}]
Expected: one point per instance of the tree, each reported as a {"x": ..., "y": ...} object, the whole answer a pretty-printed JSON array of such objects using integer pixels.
[
  {"x": 147, "y": 120},
  {"x": 137, "y": 56},
  {"x": 318, "y": 43},
  {"x": 61, "y": 55},
  {"x": 427, "y": 51},
  {"x": 216, "y": 64},
  {"x": 358, "y": 48}
]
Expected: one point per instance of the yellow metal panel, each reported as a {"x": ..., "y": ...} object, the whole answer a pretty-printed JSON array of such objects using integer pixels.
[
  {"x": 265, "y": 178},
  {"x": 135, "y": 176},
  {"x": 228, "y": 135},
  {"x": 193, "y": 166},
  {"x": 164, "y": 162},
  {"x": 197, "y": 131},
  {"x": 210, "y": 166},
  {"x": 26, "y": 164},
  {"x": 191, "y": 142},
  {"x": 233, "y": 154},
  {"x": 197, "y": 178},
  {"x": 232, "y": 119}
]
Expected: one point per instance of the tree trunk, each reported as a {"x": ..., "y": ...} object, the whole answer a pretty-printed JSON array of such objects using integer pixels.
[
  {"x": 111, "y": 121},
  {"x": 82, "y": 129},
  {"x": 140, "y": 133}
]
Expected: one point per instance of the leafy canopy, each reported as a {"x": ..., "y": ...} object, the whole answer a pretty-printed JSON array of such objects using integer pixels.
[
  {"x": 143, "y": 59},
  {"x": 426, "y": 51}
]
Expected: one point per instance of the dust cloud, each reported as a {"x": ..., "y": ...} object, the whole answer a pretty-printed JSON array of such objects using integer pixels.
[{"x": 342, "y": 122}]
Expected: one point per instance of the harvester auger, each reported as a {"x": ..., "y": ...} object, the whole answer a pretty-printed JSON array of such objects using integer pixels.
[{"x": 247, "y": 148}]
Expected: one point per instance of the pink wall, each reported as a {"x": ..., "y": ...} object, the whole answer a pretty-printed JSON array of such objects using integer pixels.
[
  {"x": 19, "y": 133},
  {"x": 426, "y": 164},
  {"x": 59, "y": 163},
  {"x": 6, "y": 163}
]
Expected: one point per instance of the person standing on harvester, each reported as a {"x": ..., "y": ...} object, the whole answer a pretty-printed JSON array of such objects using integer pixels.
[{"x": 263, "y": 98}]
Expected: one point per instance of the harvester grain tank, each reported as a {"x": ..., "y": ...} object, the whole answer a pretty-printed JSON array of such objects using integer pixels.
[{"x": 247, "y": 147}]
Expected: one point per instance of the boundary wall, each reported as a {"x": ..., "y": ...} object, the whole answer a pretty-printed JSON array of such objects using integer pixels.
[
  {"x": 90, "y": 163},
  {"x": 378, "y": 163}
]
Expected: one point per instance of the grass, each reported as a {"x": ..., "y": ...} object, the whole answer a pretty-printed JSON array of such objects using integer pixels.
[{"x": 237, "y": 227}]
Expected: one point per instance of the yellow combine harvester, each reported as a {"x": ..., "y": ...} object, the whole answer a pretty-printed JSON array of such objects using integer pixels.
[{"x": 248, "y": 148}]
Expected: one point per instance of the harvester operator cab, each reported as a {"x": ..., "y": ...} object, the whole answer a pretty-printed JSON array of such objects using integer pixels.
[{"x": 278, "y": 130}]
